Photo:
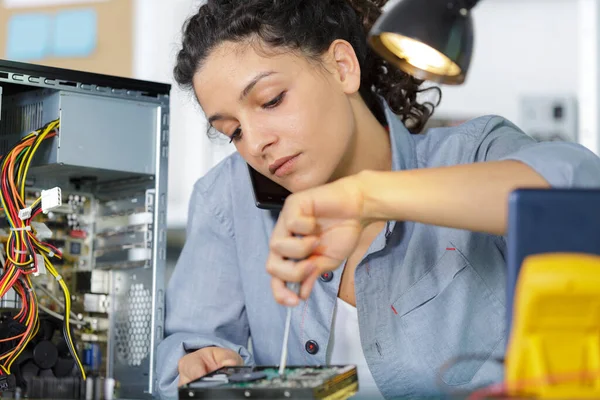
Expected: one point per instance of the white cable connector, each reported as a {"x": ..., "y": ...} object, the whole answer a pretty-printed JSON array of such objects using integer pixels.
[
  {"x": 41, "y": 230},
  {"x": 41, "y": 266},
  {"x": 25, "y": 213},
  {"x": 51, "y": 199}
]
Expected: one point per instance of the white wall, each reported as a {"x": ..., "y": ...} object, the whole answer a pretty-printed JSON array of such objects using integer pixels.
[
  {"x": 589, "y": 74},
  {"x": 157, "y": 38},
  {"x": 522, "y": 47}
]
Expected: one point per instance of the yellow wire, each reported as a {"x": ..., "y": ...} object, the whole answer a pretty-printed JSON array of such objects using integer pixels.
[
  {"x": 65, "y": 289},
  {"x": 49, "y": 128},
  {"x": 4, "y": 287},
  {"x": 35, "y": 314},
  {"x": 2, "y": 197},
  {"x": 19, "y": 245},
  {"x": 19, "y": 238},
  {"x": 33, "y": 310},
  {"x": 35, "y": 202},
  {"x": 29, "y": 152},
  {"x": 5, "y": 162}
]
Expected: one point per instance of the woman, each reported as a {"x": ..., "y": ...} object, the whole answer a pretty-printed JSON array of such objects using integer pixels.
[{"x": 307, "y": 104}]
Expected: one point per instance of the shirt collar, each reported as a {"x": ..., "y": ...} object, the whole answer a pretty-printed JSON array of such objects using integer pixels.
[
  {"x": 402, "y": 144},
  {"x": 403, "y": 158}
]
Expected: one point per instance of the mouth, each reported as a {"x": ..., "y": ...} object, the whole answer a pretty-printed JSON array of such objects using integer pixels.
[{"x": 283, "y": 166}]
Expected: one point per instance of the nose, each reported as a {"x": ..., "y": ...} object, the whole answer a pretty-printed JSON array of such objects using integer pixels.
[{"x": 258, "y": 139}]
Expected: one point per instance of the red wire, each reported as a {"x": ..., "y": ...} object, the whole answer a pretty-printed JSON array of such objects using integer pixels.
[
  {"x": 8, "y": 276},
  {"x": 12, "y": 273},
  {"x": 8, "y": 199},
  {"x": 21, "y": 292}
]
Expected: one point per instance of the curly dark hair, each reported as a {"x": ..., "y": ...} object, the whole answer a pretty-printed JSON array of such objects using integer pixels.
[{"x": 310, "y": 26}]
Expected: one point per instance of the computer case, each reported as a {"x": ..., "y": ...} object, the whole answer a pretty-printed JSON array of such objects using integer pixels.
[{"x": 110, "y": 161}]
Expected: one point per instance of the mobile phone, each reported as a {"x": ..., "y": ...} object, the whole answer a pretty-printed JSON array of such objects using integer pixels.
[
  {"x": 268, "y": 195},
  {"x": 264, "y": 382}
]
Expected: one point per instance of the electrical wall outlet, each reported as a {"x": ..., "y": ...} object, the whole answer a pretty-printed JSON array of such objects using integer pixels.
[{"x": 549, "y": 118}]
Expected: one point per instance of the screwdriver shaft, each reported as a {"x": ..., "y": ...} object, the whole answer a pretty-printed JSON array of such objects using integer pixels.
[{"x": 295, "y": 287}]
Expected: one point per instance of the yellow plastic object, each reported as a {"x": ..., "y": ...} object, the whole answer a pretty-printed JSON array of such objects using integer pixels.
[{"x": 554, "y": 349}]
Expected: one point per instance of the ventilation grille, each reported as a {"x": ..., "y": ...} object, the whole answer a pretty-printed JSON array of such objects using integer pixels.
[
  {"x": 16, "y": 122},
  {"x": 21, "y": 119},
  {"x": 133, "y": 320}
]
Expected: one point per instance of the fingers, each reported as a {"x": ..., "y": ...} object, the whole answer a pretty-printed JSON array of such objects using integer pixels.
[
  {"x": 204, "y": 361},
  {"x": 306, "y": 272},
  {"x": 230, "y": 362},
  {"x": 299, "y": 224},
  {"x": 282, "y": 294},
  {"x": 294, "y": 219},
  {"x": 294, "y": 247},
  {"x": 226, "y": 358},
  {"x": 191, "y": 367},
  {"x": 317, "y": 216},
  {"x": 323, "y": 263},
  {"x": 289, "y": 270},
  {"x": 307, "y": 285}
]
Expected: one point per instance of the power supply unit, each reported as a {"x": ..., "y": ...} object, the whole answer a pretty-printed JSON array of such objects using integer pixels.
[{"x": 83, "y": 232}]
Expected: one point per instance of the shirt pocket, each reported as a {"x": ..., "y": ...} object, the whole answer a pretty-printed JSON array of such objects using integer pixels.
[{"x": 448, "y": 312}]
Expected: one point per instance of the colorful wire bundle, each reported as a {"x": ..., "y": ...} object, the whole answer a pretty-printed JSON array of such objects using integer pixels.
[{"x": 25, "y": 254}]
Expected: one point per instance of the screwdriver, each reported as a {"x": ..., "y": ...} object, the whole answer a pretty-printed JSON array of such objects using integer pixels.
[{"x": 295, "y": 287}]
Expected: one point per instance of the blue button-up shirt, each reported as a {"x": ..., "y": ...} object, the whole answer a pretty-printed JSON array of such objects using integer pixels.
[{"x": 424, "y": 294}]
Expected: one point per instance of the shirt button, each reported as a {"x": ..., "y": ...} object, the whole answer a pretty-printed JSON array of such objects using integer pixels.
[
  {"x": 327, "y": 277},
  {"x": 311, "y": 347}
]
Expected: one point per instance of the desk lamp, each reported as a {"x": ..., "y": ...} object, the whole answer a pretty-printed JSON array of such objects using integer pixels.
[{"x": 428, "y": 39}]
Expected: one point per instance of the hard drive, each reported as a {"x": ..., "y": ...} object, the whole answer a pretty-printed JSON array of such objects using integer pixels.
[{"x": 264, "y": 382}]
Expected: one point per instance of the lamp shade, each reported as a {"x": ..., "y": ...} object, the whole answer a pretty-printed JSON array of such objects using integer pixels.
[{"x": 428, "y": 39}]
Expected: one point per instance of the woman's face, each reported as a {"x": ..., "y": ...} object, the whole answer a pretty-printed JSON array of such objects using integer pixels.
[{"x": 289, "y": 118}]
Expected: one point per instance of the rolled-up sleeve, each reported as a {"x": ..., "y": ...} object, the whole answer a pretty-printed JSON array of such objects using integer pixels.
[
  {"x": 204, "y": 301},
  {"x": 561, "y": 164}
]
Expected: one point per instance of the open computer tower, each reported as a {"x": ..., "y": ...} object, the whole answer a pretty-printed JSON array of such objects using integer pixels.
[{"x": 109, "y": 159}]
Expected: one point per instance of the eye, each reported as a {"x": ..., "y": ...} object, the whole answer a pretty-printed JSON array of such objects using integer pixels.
[
  {"x": 236, "y": 135},
  {"x": 275, "y": 102}
]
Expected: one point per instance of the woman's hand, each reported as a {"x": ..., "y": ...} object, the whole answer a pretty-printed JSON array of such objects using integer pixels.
[
  {"x": 320, "y": 227},
  {"x": 199, "y": 363}
]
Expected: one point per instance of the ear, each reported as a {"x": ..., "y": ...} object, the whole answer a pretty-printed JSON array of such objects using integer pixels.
[{"x": 347, "y": 67}]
